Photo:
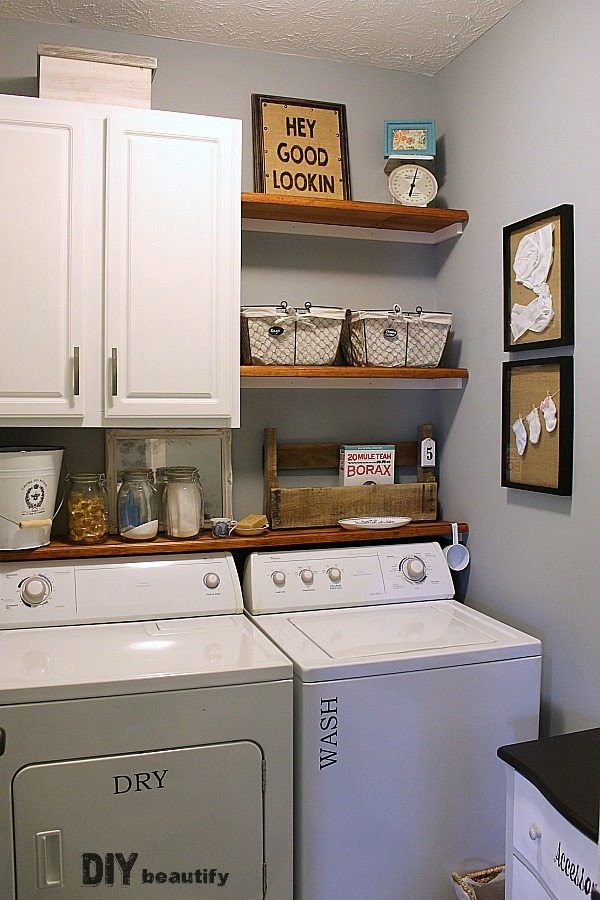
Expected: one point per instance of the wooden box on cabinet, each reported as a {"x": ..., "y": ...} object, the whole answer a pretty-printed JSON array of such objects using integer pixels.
[
  {"x": 315, "y": 506},
  {"x": 96, "y": 76}
]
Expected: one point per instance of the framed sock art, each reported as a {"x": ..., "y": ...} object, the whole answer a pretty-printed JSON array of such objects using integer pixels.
[{"x": 537, "y": 424}]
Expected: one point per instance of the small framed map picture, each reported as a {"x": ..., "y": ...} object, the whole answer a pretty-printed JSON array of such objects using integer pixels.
[{"x": 410, "y": 139}]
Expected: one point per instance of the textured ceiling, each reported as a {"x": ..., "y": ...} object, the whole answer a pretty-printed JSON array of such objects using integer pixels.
[{"x": 409, "y": 35}]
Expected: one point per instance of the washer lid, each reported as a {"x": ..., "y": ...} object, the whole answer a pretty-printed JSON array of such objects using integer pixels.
[
  {"x": 389, "y": 630},
  {"x": 353, "y": 643},
  {"x": 59, "y": 663}
]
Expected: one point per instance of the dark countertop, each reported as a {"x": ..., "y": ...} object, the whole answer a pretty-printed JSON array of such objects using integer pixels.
[{"x": 566, "y": 769}]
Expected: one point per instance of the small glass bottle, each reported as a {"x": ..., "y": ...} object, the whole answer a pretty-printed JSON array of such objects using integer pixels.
[
  {"x": 137, "y": 510},
  {"x": 87, "y": 508},
  {"x": 183, "y": 502}
]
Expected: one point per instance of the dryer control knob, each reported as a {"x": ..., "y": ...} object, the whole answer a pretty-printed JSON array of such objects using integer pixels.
[
  {"x": 34, "y": 590},
  {"x": 307, "y": 576},
  {"x": 335, "y": 575},
  {"x": 278, "y": 579},
  {"x": 212, "y": 580},
  {"x": 413, "y": 569}
]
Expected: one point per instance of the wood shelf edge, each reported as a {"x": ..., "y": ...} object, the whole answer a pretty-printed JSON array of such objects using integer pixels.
[
  {"x": 350, "y": 372},
  {"x": 293, "y": 537},
  {"x": 357, "y": 213}
]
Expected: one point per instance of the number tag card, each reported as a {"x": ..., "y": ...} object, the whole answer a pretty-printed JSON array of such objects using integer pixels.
[{"x": 427, "y": 453}]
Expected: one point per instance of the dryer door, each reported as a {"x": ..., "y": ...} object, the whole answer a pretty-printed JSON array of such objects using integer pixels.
[{"x": 189, "y": 819}]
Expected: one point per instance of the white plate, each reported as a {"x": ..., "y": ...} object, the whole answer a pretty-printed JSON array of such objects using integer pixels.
[{"x": 374, "y": 522}]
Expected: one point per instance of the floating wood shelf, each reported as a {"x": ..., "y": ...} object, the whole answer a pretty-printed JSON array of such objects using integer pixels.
[
  {"x": 351, "y": 377},
  {"x": 295, "y": 537},
  {"x": 351, "y": 218}
]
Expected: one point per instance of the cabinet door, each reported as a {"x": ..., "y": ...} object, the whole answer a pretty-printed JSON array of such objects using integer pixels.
[
  {"x": 172, "y": 266},
  {"x": 142, "y": 825},
  {"x": 41, "y": 257},
  {"x": 525, "y": 886}
]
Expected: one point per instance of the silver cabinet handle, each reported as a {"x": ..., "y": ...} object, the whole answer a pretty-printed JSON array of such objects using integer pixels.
[
  {"x": 49, "y": 858},
  {"x": 113, "y": 361},
  {"x": 76, "y": 371},
  {"x": 535, "y": 832}
]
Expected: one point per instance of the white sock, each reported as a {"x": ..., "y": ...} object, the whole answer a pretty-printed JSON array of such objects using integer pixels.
[
  {"x": 549, "y": 411},
  {"x": 535, "y": 426},
  {"x": 521, "y": 436}
]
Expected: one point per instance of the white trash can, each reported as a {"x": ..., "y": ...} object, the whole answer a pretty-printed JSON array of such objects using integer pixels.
[{"x": 28, "y": 484}]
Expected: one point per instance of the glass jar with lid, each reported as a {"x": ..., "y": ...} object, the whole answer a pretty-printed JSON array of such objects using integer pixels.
[
  {"x": 87, "y": 508},
  {"x": 137, "y": 510},
  {"x": 183, "y": 502}
]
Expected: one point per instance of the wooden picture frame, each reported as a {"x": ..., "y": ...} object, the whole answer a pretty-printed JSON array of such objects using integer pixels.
[
  {"x": 545, "y": 466},
  {"x": 300, "y": 148},
  {"x": 559, "y": 332},
  {"x": 409, "y": 139},
  {"x": 207, "y": 449}
]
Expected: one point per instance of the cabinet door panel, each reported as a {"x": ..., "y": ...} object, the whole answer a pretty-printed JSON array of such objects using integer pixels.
[
  {"x": 525, "y": 886},
  {"x": 172, "y": 266},
  {"x": 41, "y": 258}
]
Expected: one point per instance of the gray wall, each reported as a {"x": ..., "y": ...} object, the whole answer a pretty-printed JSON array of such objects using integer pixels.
[
  {"x": 201, "y": 78},
  {"x": 518, "y": 114}
]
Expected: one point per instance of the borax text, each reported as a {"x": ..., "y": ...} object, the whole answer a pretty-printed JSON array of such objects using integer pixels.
[{"x": 316, "y": 182}]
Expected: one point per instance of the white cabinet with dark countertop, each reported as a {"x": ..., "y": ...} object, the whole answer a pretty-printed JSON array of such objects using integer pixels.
[{"x": 552, "y": 817}]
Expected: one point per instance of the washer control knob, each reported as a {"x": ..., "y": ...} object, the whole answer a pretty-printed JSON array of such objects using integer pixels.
[
  {"x": 278, "y": 579},
  {"x": 535, "y": 832},
  {"x": 335, "y": 575},
  {"x": 413, "y": 569},
  {"x": 212, "y": 580},
  {"x": 307, "y": 576},
  {"x": 34, "y": 590}
]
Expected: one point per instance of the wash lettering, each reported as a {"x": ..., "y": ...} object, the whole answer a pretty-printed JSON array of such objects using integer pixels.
[{"x": 329, "y": 726}]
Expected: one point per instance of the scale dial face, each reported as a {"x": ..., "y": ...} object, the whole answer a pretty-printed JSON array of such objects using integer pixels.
[{"x": 412, "y": 185}]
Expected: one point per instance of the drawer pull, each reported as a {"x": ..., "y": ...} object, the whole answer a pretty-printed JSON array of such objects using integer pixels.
[{"x": 535, "y": 832}]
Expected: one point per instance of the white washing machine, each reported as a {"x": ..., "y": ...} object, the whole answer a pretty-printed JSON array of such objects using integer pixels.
[
  {"x": 147, "y": 756},
  {"x": 401, "y": 698}
]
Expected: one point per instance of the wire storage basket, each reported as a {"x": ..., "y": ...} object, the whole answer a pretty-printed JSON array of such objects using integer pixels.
[
  {"x": 285, "y": 336},
  {"x": 394, "y": 338}
]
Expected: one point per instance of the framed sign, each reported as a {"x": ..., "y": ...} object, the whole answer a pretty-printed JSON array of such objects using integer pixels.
[
  {"x": 538, "y": 281},
  {"x": 300, "y": 148},
  {"x": 410, "y": 139},
  {"x": 537, "y": 424},
  {"x": 207, "y": 449}
]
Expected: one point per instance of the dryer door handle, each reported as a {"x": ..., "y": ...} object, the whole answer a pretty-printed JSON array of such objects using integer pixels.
[
  {"x": 2, "y": 741},
  {"x": 48, "y": 846}
]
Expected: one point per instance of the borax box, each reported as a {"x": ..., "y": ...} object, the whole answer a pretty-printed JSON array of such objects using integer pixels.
[{"x": 371, "y": 464}]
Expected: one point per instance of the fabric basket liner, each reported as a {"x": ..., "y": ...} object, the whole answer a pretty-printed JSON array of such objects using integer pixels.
[{"x": 281, "y": 335}]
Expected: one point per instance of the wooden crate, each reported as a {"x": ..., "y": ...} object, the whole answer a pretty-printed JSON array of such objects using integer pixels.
[
  {"x": 308, "y": 507},
  {"x": 97, "y": 76}
]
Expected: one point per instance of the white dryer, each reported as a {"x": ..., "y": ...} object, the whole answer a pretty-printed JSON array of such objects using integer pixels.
[
  {"x": 145, "y": 734},
  {"x": 401, "y": 698}
]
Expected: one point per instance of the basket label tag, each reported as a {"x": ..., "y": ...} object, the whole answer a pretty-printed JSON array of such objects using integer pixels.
[
  {"x": 427, "y": 453},
  {"x": 275, "y": 330},
  {"x": 390, "y": 334}
]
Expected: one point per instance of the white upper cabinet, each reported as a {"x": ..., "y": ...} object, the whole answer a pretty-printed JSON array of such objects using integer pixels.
[
  {"x": 172, "y": 265},
  {"x": 41, "y": 259},
  {"x": 146, "y": 250}
]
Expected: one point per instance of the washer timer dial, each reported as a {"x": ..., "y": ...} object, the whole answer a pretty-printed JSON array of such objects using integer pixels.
[
  {"x": 413, "y": 569},
  {"x": 35, "y": 590}
]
